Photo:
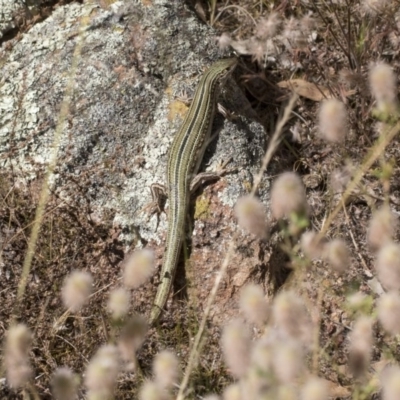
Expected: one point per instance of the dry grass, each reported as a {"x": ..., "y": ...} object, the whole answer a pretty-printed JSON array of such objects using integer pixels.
[{"x": 328, "y": 329}]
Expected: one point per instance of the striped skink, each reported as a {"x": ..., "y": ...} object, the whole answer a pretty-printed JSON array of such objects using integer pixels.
[{"x": 184, "y": 160}]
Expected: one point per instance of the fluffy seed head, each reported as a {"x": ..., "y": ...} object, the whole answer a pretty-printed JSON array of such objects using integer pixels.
[
  {"x": 262, "y": 355},
  {"x": 337, "y": 255},
  {"x": 379, "y": 127},
  {"x": 268, "y": 28},
  {"x": 315, "y": 389},
  {"x": 16, "y": 357},
  {"x": 307, "y": 24},
  {"x": 118, "y": 303},
  {"x": 19, "y": 339},
  {"x": 291, "y": 25},
  {"x": 359, "y": 303},
  {"x": 232, "y": 392},
  {"x": 389, "y": 312},
  {"x": 254, "y": 384},
  {"x": 258, "y": 49},
  {"x": 18, "y": 371},
  {"x": 287, "y": 361},
  {"x": 291, "y": 317},
  {"x": 236, "y": 343},
  {"x": 382, "y": 81},
  {"x": 382, "y": 227},
  {"x": 391, "y": 383},
  {"x": 288, "y": 195},
  {"x": 102, "y": 372},
  {"x": 333, "y": 120},
  {"x": 253, "y": 304},
  {"x": 224, "y": 41},
  {"x": 77, "y": 289},
  {"x": 311, "y": 246},
  {"x": 340, "y": 178},
  {"x": 388, "y": 265},
  {"x": 250, "y": 213},
  {"x": 293, "y": 34},
  {"x": 151, "y": 391},
  {"x": 132, "y": 336},
  {"x": 361, "y": 345},
  {"x": 166, "y": 369},
  {"x": 64, "y": 384},
  {"x": 287, "y": 392},
  {"x": 138, "y": 268}
]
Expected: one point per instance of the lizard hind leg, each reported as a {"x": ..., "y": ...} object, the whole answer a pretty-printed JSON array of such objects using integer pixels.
[{"x": 156, "y": 206}]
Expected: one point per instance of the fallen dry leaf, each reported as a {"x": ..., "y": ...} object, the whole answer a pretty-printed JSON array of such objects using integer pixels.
[{"x": 309, "y": 90}]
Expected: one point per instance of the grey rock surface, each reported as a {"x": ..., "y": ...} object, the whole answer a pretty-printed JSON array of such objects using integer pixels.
[
  {"x": 8, "y": 10},
  {"x": 135, "y": 65}
]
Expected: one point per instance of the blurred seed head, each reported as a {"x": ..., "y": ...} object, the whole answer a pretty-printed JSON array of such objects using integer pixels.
[
  {"x": 389, "y": 312},
  {"x": 102, "y": 372},
  {"x": 118, "y": 303},
  {"x": 286, "y": 392},
  {"x": 250, "y": 213},
  {"x": 16, "y": 355},
  {"x": 291, "y": 25},
  {"x": 76, "y": 290},
  {"x": 295, "y": 38},
  {"x": 360, "y": 303},
  {"x": 337, "y": 255},
  {"x": 151, "y": 391},
  {"x": 314, "y": 389},
  {"x": 361, "y": 342},
  {"x": 19, "y": 339},
  {"x": 242, "y": 46},
  {"x": 391, "y": 383},
  {"x": 253, "y": 304},
  {"x": 236, "y": 344},
  {"x": 19, "y": 372},
  {"x": 382, "y": 227},
  {"x": 262, "y": 355},
  {"x": 310, "y": 244},
  {"x": 287, "y": 360},
  {"x": 131, "y": 337},
  {"x": 288, "y": 195},
  {"x": 340, "y": 178},
  {"x": 138, "y": 268},
  {"x": 268, "y": 27},
  {"x": 232, "y": 392},
  {"x": 333, "y": 120},
  {"x": 254, "y": 385},
  {"x": 166, "y": 369},
  {"x": 258, "y": 49},
  {"x": 307, "y": 24},
  {"x": 64, "y": 384},
  {"x": 291, "y": 317},
  {"x": 383, "y": 86},
  {"x": 379, "y": 127},
  {"x": 388, "y": 265},
  {"x": 224, "y": 41},
  {"x": 356, "y": 300}
]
